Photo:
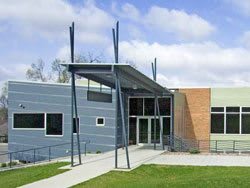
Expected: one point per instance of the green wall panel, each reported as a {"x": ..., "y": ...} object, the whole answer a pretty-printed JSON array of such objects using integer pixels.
[
  {"x": 230, "y": 137},
  {"x": 230, "y": 96}
]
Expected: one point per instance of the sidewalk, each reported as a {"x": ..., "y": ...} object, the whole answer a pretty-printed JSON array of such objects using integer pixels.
[
  {"x": 201, "y": 160},
  {"x": 96, "y": 166}
]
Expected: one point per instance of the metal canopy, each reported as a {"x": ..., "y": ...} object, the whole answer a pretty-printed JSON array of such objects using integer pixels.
[{"x": 131, "y": 80}]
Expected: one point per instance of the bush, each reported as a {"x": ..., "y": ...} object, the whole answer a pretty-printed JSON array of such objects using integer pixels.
[
  {"x": 12, "y": 163},
  {"x": 3, "y": 165},
  {"x": 97, "y": 152},
  {"x": 194, "y": 151},
  {"x": 5, "y": 140}
]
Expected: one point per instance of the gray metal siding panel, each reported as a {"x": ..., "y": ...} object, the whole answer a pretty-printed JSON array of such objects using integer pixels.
[{"x": 54, "y": 98}]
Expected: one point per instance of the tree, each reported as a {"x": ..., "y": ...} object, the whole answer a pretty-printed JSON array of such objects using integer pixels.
[
  {"x": 4, "y": 104},
  {"x": 62, "y": 75},
  {"x": 36, "y": 72},
  {"x": 4, "y": 96},
  {"x": 58, "y": 72},
  {"x": 89, "y": 58}
]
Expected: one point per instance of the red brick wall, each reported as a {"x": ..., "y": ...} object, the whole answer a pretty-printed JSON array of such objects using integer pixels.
[{"x": 197, "y": 113}]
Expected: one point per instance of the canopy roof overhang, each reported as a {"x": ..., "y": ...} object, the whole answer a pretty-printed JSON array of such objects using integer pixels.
[{"x": 131, "y": 80}]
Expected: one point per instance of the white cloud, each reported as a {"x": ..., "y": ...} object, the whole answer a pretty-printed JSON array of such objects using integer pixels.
[
  {"x": 11, "y": 71},
  {"x": 186, "y": 26},
  {"x": 192, "y": 64},
  {"x": 178, "y": 22},
  {"x": 127, "y": 11},
  {"x": 63, "y": 53},
  {"x": 243, "y": 6},
  {"x": 51, "y": 18},
  {"x": 245, "y": 39}
]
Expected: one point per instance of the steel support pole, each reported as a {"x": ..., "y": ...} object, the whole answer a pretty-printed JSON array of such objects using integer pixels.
[
  {"x": 71, "y": 34},
  {"x": 115, "y": 43},
  {"x": 72, "y": 121},
  {"x": 76, "y": 120},
  {"x": 123, "y": 120},
  {"x": 161, "y": 127},
  {"x": 155, "y": 123},
  {"x": 154, "y": 77},
  {"x": 172, "y": 123},
  {"x": 116, "y": 120}
]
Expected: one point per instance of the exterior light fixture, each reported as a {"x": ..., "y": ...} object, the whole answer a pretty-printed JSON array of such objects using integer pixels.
[
  {"x": 21, "y": 106},
  {"x": 134, "y": 86}
]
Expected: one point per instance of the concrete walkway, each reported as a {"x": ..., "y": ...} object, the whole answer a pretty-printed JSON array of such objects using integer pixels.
[
  {"x": 96, "y": 166},
  {"x": 3, "y": 149},
  {"x": 201, "y": 160}
]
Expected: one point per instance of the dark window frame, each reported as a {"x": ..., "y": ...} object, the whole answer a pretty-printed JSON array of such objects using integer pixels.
[
  {"x": 98, "y": 124},
  {"x": 54, "y": 135},
  {"x": 74, "y": 126},
  {"x": 242, "y": 126},
  {"x": 217, "y": 109},
  {"x": 28, "y": 128},
  {"x": 230, "y": 115},
  {"x": 211, "y": 126},
  {"x": 141, "y": 112}
]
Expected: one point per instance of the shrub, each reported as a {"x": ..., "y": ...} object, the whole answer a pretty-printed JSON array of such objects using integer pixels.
[
  {"x": 5, "y": 140},
  {"x": 97, "y": 152},
  {"x": 194, "y": 151},
  {"x": 12, "y": 163},
  {"x": 3, "y": 165}
]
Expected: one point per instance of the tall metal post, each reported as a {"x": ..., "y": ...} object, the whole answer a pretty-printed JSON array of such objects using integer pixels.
[
  {"x": 123, "y": 119},
  {"x": 73, "y": 101},
  {"x": 72, "y": 123},
  {"x": 172, "y": 122},
  {"x": 154, "y": 77},
  {"x": 116, "y": 122},
  {"x": 115, "y": 43},
  {"x": 76, "y": 121},
  {"x": 161, "y": 127}
]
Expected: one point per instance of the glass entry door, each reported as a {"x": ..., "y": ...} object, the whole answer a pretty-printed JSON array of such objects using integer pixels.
[
  {"x": 143, "y": 130},
  {"x": 146, "y": 130},
  {"x": 155, "y": 131}
]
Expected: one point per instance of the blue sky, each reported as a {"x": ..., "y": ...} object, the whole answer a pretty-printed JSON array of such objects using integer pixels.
[{"x": 197, "y": 43}]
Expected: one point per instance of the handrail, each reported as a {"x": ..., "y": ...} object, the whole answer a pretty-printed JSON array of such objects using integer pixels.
[
  {"x": 10, "y": 154},
  {"x": 182, "y": 144},
  {"x": 42, "y": 147}
]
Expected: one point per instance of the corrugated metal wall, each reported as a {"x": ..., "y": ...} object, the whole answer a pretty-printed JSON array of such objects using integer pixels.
[{"x": 39, "y": 97}]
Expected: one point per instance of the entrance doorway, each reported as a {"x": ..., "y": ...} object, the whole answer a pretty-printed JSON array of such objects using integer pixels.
[
  {"x": 146, "y": 130},
  {"x": 141, "y": 129}
]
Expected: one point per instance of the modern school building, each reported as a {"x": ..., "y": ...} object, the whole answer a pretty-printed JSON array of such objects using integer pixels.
[{"x": 209, "y": 119}]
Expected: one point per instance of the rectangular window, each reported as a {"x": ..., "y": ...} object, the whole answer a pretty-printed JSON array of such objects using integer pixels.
[
  {"x": 217, "y": 109},
  {"x": 166, "y": 126},
  {"x": 233, "y": 123},
  {"x": 165, "y": 106},
  {"x": 74, "y": 125},
  {"x": 149, "y": 106},
  {"x": 217, "y": 123},
  {"x": 28, "y": 121},
  {"x": 232, "y": 109},
  {"x": 245, "y": 123},
  {"x": 132, "y": 130},
  {"x": 54, "y": 124},
  {"x": 136, "y": 106},
  {"x": 100, "y": 121},
  {"x": 245, "y": 109}
]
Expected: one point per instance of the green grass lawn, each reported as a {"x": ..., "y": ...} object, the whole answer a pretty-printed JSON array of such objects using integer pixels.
[
  {"x": 173, "y": 176},
  {"x": 22, "y": 176}
]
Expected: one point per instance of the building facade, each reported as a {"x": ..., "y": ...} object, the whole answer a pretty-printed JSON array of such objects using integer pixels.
[{"x": 40, "y": 115}]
